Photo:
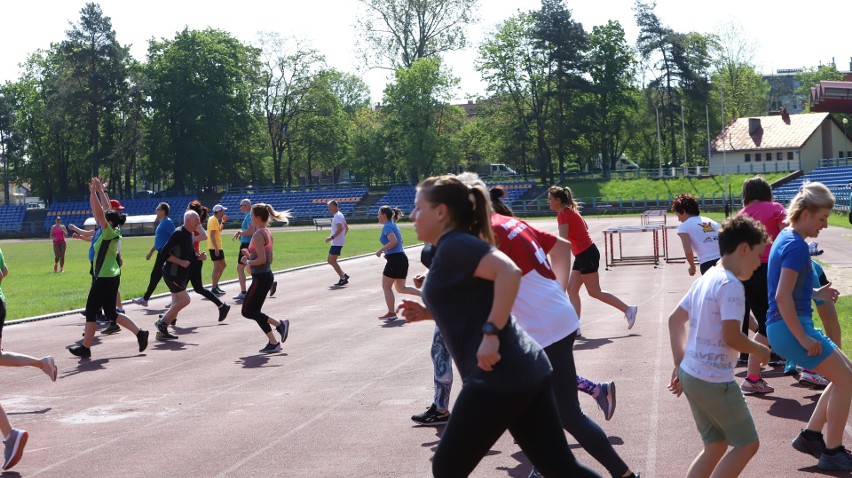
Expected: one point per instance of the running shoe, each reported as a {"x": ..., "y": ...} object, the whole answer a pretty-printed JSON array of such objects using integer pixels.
[
  {"x": 270, "y": 348},
  {"x": 431, "y": 417},
  {"x": 840, "y": 461},
  {"x": 142, "y": 339},
  {"x": 223, "y": 311},
  {"x": 775, "y": 359},
  {"x": 54, "y": 267},
  {"x": 240, "y": 296},
  {"x": 283, "y": 329},
  {"x": 630, "y": 315},
  {"x": 14, "y": 448},
  {"x": 217, "y": 291},
  {"x": 758, "y": 387},
  {"x": 389, "y": 316},
  {"x": 606, "y": 399},
  {"x": 812, "y": 378},
  {"x": 163, "y": 331},
  {"x": 535, "y": 473},
  {"x": 790, "y": 368},
  {"x": 140, "y": 301},
  {"x": 120, "y": 310},
  {"x": 273, "y": 288},
  {"x": 809, "y": 446},
  {"x": 110, "y": 329},
  {"x": 81, "y": 351}
]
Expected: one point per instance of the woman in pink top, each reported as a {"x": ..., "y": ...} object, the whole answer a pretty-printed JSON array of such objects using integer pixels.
[
  {"x": 757, "y": 202},
  {"x": 587, "y": 257},
  {"x": 58, "y": 232}
]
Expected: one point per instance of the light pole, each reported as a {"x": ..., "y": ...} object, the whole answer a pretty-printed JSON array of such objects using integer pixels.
[{"x": 845, "y": 138}]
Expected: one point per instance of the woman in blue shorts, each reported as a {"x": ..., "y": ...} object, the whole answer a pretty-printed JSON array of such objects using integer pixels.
[{"x": 791, "y": 331}]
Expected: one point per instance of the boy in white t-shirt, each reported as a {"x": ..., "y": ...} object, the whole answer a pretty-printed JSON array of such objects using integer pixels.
[{"x": 705, "y": 357}]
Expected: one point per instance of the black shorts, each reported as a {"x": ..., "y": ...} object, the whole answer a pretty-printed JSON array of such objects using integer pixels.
[
  {"x": 705, "y": 266},
  {"x": 2, "y": 315},
  {"x": 217, "y": 257},
  {"x": 102, "y": 296},
  {"x": 240, "y": 252},
  {"x": 588, "y": 261},
  {"x": 176, "y": 284},
  {"x": 396, "y": 266},
  {"x": 335, "y": 250}
]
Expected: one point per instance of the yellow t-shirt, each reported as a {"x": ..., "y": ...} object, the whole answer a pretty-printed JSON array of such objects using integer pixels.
[{"x": 214, "y": 234}]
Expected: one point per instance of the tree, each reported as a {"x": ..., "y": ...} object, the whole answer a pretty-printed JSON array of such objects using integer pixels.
[
  {"x": 810, "y": 77},
  {"x": 745, "y": 91},
  {"x": 397, "y": 33},
  {"x": 10, "y": 140}
]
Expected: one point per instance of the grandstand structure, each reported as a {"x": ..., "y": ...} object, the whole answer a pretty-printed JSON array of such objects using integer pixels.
[
  {"x": 402, "y": 197},
  {"x": 838, "y": 179},
  {"x": 76, "y": 212},
  {"x": 303, "y": 205},
  {"x": 12, "y": 217}
]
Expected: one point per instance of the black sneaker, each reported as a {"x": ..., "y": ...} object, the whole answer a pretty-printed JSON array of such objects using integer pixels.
[
  {"x": 81, "y": 351},
  {"x": 217, "y": 291},
  {"x": 142, "y": 339},
  {"x": 223, "y": 311},
  {"x": 273, "y": 288},
  {"x": 110, "y": 329},
  {"x": 163, "y": 331},
  {"x": 345, "y": 279},
  {"x": 840, "y": 461},
  {"x": 776, "y": 360},
  {"x": 283, "y": 329},
  {"x": 809, "y": 446},
  {"x": 270, "y": 349},
  {"x": 431, "y": 417}
]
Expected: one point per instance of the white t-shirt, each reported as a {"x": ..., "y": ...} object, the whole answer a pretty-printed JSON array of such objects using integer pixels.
[
  {"x": 340, "y": 239},
  {"x": 543, "y": 309},
  {"x": 718, "y": 295},
  {"x": 703, "y": 234}
]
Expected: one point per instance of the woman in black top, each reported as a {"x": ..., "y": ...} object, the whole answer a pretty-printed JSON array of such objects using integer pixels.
[{"x": 505, "y": 374}]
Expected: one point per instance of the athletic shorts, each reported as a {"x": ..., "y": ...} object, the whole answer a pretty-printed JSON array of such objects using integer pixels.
[
  {"x": 719, "y": 410},
  {"x": 240, "y": 252},
  {"x": 335, "y": 250},
  {"x": 396, "y": 266},
  {"x": 216, "y": 257},
  {"x": 786, "y": 345},
  {"x": 588, "y": 261},
  {"x": 705, "y": 266},
  {"x": 176, "y": 284},
  {"x": 2, "y": 316}
]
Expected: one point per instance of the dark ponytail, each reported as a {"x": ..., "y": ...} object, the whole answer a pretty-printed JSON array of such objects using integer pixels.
[
  {"x": 497, "y": 203},
  {"x": 468, "y": 207}
]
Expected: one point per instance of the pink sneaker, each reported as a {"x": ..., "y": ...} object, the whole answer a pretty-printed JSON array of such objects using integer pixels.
[
  {"x": 54, "y": 267},
  {"x": 759, "y": 387}
]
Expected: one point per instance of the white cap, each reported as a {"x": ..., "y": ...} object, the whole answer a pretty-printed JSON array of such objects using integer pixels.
[{"x": 219, "y": 207}]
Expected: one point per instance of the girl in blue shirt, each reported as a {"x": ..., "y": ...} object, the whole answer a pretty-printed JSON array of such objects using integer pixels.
[{"x": 396, "y": 268}]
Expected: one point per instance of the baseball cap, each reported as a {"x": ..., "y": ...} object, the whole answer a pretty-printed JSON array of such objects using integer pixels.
[
  {"x": 115, "y": 205},
  {"x": 219, "y": 207}
]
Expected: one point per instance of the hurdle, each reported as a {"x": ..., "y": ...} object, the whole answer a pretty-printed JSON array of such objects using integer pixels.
[{"x": 611, "y": 259}]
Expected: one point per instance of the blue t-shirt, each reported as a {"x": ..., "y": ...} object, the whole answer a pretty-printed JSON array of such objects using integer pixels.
[
  {"x": 819, "y": 278},
  {"x": 245, "y": 227},
  {"x": 790, "y": 251},
  {"x": 92, "y": 243},
  {"x": 391, "y": 227},
  {"x": 164, "y": 229}
]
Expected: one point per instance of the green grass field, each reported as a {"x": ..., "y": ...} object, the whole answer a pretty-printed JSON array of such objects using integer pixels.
[
  {"x": 32, "y": 288},
  {"x": 651, "y": 188}
]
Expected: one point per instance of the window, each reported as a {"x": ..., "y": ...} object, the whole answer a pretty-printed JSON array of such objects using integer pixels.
[
  {"x": 779, "y": 156},
  {"x": 747, "y": 157},
  {"x": 757, "y": 157},
  {"x": 789, "y": 155},
  {"x": 840, "y": 154}
]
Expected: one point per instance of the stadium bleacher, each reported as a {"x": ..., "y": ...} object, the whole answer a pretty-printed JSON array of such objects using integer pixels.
[
  {"x": 76, "y": 212},
  {"x": 836, "y": 178},
  {"x": 402, "y": 197},
  {"x": 302, "y": 205},
  {"x": 12, "y": 218}
]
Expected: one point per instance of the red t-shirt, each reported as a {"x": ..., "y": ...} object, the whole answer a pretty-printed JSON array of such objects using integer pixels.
[
  {"x": 578, "y": 230},
  {"x": 525, "y": 245}
]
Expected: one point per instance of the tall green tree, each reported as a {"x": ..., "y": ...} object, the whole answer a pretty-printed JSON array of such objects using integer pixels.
[
  {"x": 396, "y": 33},
  {"x": 10, "y": 140},
  {"x": 202, "y": 83}
]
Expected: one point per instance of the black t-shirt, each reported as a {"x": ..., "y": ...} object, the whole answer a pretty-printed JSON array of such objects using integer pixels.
[
  {"x": 180, "y": 246},
  {"x": 460, "y": 304}
]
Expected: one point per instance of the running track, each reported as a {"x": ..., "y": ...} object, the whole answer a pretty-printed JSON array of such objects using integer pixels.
[{"x": 336, "y": 401}]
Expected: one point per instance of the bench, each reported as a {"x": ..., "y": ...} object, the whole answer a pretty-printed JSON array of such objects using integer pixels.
[{"x": 321, "y": 222}]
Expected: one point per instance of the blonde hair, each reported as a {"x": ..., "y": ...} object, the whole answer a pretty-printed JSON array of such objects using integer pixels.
[
  {"x": 266, "y": 211},
  {"x": 812, "y": 197},
  {"x": 565, "y": 197}
]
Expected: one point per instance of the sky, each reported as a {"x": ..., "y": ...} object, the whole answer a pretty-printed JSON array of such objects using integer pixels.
[{"x": 785, "y": 33}]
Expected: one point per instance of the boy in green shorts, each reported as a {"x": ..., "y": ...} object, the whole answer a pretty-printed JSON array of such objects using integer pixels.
[{"x": 705, "y": 356}]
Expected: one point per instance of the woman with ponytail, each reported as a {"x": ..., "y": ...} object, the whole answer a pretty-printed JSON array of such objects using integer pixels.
[
  {"x": 258, "y": 257},
  {"x": 396, "y": 268},
  {"x": 506, "y": 375}
]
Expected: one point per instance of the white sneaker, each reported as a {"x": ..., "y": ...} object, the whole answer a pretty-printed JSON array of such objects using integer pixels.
[
  {"x": 813, "y": 378},
  {"x": 240, "y": 296},
  {"x": 140, "y": 301},
  {"x": 631, "y": 315},
  {"x": 120, "y": 310}
]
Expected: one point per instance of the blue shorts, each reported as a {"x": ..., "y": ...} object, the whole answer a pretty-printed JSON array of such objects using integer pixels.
[
  {"x": 335, "y": 250},
  {"x": 786, "y": 345}
]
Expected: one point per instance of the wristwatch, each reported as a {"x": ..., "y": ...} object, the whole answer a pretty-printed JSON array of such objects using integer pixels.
[{"x": 489, "y": 328}]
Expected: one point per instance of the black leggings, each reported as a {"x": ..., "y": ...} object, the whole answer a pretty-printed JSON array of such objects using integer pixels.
[
  {"x": 757, "y": 299},
  {"x": 261, "y": 282},
  {"x": 198, "y": 286},
  {"x": 587, "y": 433},
  {"x": 156, "y": 274},
  {"x": 480, "y": 416}
]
